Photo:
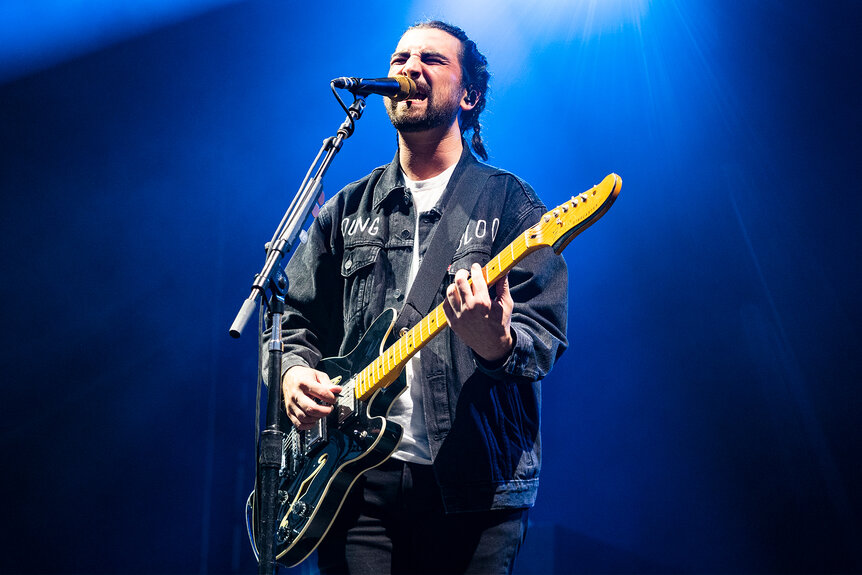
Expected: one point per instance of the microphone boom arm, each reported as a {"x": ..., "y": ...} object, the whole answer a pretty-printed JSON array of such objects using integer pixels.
[{"x": 291, "y": 224}]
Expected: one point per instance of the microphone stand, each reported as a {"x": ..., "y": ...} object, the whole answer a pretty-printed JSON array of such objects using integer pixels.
[{"x": 272, "y": 276}]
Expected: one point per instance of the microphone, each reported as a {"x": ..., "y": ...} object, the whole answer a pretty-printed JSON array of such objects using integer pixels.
[{"x": 397, "y": 88}]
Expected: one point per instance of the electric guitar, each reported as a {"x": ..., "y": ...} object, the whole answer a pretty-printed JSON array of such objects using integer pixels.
[{"x": 320, "y": 465}]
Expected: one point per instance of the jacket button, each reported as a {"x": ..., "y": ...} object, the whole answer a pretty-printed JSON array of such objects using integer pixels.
[
  {"x": 348, "y": 264},
  {"x": 405, "y": 234},
  {"x": 397, "y": 294},
  {"x": 403, "y": 332}
]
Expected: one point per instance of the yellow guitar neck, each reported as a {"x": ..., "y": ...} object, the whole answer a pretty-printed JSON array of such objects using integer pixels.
[{"x": 386, "y": 368}]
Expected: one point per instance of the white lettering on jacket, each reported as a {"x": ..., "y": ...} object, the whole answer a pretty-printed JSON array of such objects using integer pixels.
[
  {"x": 478, "y": 229},
  {"x": 349, "y": 226}
]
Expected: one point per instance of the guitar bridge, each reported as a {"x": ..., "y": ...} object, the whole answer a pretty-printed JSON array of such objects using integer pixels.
[{"x": 290, "y": 453}]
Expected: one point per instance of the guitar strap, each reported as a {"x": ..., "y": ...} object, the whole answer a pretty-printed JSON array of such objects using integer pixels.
[{"x": 463, "y": 196}]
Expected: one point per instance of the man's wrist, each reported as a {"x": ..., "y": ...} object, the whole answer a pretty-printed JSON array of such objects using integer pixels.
[{"x": 496, "y": 362}]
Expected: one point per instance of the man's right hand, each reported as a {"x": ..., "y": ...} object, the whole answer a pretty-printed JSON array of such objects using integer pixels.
[{"x": 302, "y": 388}]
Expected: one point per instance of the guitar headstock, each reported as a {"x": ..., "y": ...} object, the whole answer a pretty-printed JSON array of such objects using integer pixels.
[{"x": 560, "y": 226}]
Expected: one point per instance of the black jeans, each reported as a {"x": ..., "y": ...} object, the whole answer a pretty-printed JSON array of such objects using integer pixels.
[{"x": 393, "y": 522}]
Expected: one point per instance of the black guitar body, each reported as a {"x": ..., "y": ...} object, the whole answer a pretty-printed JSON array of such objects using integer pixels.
[{"x": 323, "y": 464}]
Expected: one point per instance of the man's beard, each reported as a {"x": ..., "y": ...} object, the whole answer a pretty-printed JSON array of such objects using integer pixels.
[{"x": 435, "y": 115}]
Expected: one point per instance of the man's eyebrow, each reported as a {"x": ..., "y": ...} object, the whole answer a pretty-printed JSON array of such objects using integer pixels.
[{"x": 422, "y": 53}]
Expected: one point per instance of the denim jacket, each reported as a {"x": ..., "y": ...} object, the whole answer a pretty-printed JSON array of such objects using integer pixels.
[{"x": 482, "y": 420}]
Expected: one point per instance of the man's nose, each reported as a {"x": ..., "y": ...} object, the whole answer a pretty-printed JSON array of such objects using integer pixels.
[{"x": 412, "y": 68}]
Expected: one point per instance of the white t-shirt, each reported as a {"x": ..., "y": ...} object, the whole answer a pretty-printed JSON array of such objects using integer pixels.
[{"x": 408, "y": 410}]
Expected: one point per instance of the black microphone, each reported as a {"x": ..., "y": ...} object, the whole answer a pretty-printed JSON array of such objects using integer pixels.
[{"x": 398, "y": 87}]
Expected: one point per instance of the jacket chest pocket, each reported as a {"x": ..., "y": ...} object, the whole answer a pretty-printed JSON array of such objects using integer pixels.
[{"x": 357, "y": 269}]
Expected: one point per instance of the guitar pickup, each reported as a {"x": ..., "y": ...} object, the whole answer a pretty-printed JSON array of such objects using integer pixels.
[
  {"x": 345, "y": 404},
  {"x": 313, "y": 436}
]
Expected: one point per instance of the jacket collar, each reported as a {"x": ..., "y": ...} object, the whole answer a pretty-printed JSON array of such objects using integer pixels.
[{"x": 392, "y": 181}]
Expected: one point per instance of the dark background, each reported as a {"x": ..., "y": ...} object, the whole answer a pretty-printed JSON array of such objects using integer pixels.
[{"x": 706, "y": 416}]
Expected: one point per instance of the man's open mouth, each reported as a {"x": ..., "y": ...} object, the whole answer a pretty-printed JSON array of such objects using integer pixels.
[{"x": 420, "y": 95}]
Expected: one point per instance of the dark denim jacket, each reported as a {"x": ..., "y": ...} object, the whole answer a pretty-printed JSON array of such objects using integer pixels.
[{"x": 483, "y": 421}]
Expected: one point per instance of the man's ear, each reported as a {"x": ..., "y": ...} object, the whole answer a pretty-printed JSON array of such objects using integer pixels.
[{"x": 471, "y": 98}]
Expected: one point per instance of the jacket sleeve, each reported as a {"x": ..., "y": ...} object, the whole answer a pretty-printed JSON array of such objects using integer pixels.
[
  {"x": 539, "y": 288},
  {"x": 312, "y": 323}
]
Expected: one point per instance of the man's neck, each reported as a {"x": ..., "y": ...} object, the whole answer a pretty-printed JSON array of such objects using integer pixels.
[{"x": 424, "y": 155}]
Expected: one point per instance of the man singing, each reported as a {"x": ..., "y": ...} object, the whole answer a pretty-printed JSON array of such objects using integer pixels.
[{"x": 453, "y": 498}]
